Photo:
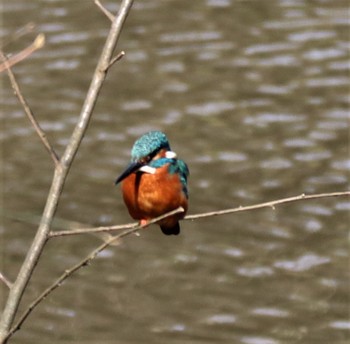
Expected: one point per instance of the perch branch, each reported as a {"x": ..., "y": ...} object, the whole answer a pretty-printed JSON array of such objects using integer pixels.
[
  {"x": 84, "y": 262},
  {"x": 270, "y": 204},
  {"x": 101, "y": 229},
  {"x": 132, "y": 228}
]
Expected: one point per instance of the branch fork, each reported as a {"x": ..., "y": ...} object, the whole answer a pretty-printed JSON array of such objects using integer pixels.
[{"x": 62, "y": 167}]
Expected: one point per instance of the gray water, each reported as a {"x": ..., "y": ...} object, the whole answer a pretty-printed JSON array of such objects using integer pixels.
[{"x": 254, "y": 96}]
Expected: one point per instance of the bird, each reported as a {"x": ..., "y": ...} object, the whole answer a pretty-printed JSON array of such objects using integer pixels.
[{"x": 155, "y": 182}]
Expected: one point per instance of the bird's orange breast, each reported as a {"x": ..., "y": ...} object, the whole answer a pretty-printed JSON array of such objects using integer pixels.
[{"x": 150, "y": 195}]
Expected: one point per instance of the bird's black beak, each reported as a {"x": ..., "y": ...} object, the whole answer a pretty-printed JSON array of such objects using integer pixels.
[{"x": 134, "y": 166}]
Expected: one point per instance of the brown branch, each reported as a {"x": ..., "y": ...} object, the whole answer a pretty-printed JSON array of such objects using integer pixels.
[
  {"x": 84, "y": 262},
  {"x": 5, "y": 281},
  {"x": 116, "y": 58},
  {"x": 132, "y": 228},
  {"x": 271, "y": 204},
  {"x": 101, "y": 229},
  {"x": 60, "y": 175},
  {"x": 28, "y": 28},
  {"x": 37, "y": 44},
  {"x": 29, "y": 112},
  {"x": 109, "y": 14}
]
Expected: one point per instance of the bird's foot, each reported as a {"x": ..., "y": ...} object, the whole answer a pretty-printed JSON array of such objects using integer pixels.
[{"x": 144, "y": 222}]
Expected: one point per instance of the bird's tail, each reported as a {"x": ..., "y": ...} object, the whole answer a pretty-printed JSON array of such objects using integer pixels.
[{"x": 175, "y": 230}]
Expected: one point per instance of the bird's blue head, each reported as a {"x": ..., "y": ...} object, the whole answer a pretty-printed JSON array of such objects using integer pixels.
[
  {"x": 149, "y": 144},
  {"x": 144, "y": 150}
]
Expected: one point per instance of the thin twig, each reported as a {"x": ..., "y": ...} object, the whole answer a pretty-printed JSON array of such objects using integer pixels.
[
  {"x": 271, "y": 204},
  {"x": 136, "y": 227},
  {"x": 101, "y": 229},
  {"x": 29, "y": 112},
  {"x": 28, "y": 28},
  {"x": 84, "y": 262},
  {"x": 109, "y": 14},
  {"x": 61, "y": 172},
  {"x": 37, "y": 44},
  {"x": 116, "y": 58},
  {"x": 5, "y": 280}
]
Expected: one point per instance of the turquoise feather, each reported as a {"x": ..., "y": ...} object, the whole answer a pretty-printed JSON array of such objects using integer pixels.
[
  {"x": 149, "y": 143},
  {"x": 175, "y": 166}
]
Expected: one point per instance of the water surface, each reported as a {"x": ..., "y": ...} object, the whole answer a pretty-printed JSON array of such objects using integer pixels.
[{"x": 253, "y": 95}]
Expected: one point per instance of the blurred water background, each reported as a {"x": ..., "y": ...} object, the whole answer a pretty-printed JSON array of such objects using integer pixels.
[{"x": 254, "y": 96}]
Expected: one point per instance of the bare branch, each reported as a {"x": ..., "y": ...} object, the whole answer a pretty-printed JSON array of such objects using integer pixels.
[
  {"x": 132, "y": 228},
  {"x": 29, "y": 27},
  {"x": 84, "y": 262},
  {"x": 116, "y": 58},
  {"x": 29, "y": 112},
  {"x": 37, "y": 44},
  {"x": 109, "y": 14},
  {"x": 271, "y": 204},
  {"x": 61, "y": 173},
  {"x": 101, "y": 229},
  {"x": 5, "y": 280}
]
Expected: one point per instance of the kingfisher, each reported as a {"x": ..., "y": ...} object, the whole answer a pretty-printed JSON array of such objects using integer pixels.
[{"x": 155, "y": 182}]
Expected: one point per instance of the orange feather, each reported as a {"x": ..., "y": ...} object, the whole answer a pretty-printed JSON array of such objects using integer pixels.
[{"x": 150, "y": 195}]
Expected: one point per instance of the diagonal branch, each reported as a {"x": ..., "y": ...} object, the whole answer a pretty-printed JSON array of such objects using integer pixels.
[
  {"x": 116, "y": 58},
  {"x": 29, "y": 27},
  {"x": 37, "y": 44},
  {"x": 5, "y": 281},
  {"x": 108, "y": 14},
  {"x": 29, "y": 112},
  {"x": 81, "y": 264},
  {"x": 61, "y": 173},
  {"x": 132, "y": 228}
]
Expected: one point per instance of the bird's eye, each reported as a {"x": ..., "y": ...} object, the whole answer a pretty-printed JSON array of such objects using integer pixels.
[{"x": 145, "y": 160}]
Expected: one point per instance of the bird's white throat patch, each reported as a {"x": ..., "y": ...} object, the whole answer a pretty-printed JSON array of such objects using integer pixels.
[
  {"x": 152, "y": 170},
  {"x": 170, "y": 155},
  {"x": 147, "y": 169}
]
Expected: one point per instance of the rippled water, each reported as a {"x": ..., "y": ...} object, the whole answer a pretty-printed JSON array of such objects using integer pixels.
[{"x": 254, "y": 95}]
